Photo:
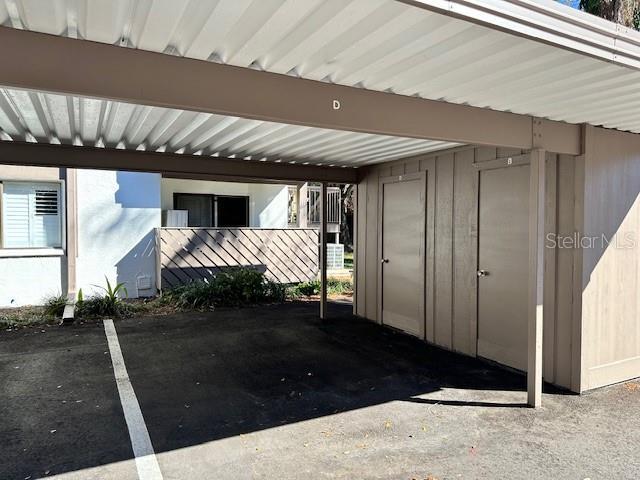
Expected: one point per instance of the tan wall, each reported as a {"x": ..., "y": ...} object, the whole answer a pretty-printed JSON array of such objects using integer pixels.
[
  {"x": 452, "y": 252},
  {"x": 30, "y": 174},
  {"x": 611, "y": 274}
]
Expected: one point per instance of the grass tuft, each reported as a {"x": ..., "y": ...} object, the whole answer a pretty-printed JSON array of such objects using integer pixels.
[
  {"x": 54, "y": 305},
  {"x": 335, "y": 286}
]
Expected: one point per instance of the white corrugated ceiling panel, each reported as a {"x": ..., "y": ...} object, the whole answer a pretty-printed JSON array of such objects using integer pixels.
[
  {"x": 377, "y": 44},
  {"x": 39, "y": 117}
]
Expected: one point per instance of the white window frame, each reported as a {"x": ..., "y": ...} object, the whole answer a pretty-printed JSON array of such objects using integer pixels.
[{"x": 36, "y": 251}]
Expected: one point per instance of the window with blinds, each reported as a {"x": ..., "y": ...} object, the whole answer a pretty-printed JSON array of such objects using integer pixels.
[{"x": 31, "y": 215}]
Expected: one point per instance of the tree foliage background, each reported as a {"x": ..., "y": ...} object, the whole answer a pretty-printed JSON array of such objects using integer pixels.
[{"x": 624, "y": 12}]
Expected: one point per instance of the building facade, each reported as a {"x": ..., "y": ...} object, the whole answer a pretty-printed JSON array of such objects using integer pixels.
[{"x": 112, "y": 216}]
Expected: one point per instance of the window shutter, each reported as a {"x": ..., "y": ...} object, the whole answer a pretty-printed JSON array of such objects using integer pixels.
[
  {"x": 31, "y": 215},
  {"x": 15, "y": 215},
  {"x": 45, "y": 218}
]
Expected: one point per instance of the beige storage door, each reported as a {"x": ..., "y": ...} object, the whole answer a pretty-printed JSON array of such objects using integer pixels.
[
  {"x": 503, "y": 236},
  {"x": 402, "y": 262}
]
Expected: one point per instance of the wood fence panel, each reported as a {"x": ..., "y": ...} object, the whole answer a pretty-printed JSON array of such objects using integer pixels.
[{"x": 283, "y": 255}]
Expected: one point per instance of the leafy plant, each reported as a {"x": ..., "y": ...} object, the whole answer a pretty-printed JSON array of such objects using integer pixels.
[
  {"x": 305, "y": 289},
  {"x": 54, "y": 305},
  {"x": 111, "y": 293},
  {"x": 230, "y": 288},
  {"x": 109, "y": 304}
]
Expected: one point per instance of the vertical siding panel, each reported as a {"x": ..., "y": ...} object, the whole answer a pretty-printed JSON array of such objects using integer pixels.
[
  {"x": 578, "y": 381},
  {"x": 384, "y": 171},
  {"x": 361, "y": 248},
  {"x": 549, "y": 324},
  {"x": 451, "y": 253},
  {"x": 611, "y": 271},
  {"x": 564, "y": 275},
  {"x": 464, "y": 253},
  {"x": 444, "y": 250},
  {"x": 397, "y": 169},
  {"x": 371, "y": 269},
  {"x": 428, "y": 166},
  {"x": 412, "y": 166}
]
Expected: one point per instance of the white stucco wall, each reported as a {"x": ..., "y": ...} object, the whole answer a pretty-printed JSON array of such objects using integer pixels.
[
  {"x": 267, "y": 202},
  {"x": 117, "y": 214},
  {"x": 29, "y": 280},
  {"x": 269, "y": 205}
]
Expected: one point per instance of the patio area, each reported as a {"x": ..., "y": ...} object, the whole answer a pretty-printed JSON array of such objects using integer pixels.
[{"x": 273, "y": 392}]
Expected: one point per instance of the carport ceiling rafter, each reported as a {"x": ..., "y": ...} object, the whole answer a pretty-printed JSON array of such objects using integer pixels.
[
  {"x": 483, "y": 54},
  {"x": 168, "y": 164},
  {"x": 160, "y": 80},
  {"x": 50, "y": 118}
]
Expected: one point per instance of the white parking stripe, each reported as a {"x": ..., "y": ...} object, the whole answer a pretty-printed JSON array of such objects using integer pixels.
[{"x": 146, "y": 463}]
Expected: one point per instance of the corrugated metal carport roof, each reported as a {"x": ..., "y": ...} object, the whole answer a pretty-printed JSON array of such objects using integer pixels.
[{"x": 382, "y": 45}]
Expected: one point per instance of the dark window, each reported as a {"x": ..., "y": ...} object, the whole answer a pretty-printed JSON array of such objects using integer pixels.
[
  {"x": 213, "y": 210},
  {"x": 199, "y": 208},
  {"x": 232, "y": 211}
]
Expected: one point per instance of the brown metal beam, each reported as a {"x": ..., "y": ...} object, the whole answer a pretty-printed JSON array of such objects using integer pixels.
[
  {"x": 170, "y": 164},
  {"x": 90, "y": 69}
]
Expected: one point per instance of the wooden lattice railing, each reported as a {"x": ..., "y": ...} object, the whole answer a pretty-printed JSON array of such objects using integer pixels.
[{"x": 188, "y": 254}]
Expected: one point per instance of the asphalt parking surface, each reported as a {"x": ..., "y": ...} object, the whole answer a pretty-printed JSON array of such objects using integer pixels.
[{"x": 273, "y": 392}]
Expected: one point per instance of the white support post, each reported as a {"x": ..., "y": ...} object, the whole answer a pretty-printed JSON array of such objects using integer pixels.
[
  {"x": 71, "y": 237},
  {"x": 536, "y": 276},
  {"x": 323, "y": 251},
  {"x": 158, "y": 239},
  {"x": 354, "y": 242}
]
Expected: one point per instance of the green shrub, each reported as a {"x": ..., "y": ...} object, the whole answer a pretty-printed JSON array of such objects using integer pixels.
[
  {"x": 100, "y": 306},
  {"x": 108, "y": 304},
  {"x": 230, "y": 288},
  {"x": 304, "y": 289},
  {"x": 335, "y": 286},
  {"x": 54, "y": 305},
  {"x": 195, "y": 295}
]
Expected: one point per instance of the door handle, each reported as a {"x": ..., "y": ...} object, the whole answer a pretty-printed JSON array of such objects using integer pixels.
[
  {"x": 482, "y": 273},
  {"x": 384, "y": 260}
]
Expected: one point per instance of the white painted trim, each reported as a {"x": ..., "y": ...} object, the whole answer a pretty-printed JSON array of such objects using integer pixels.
[
  {"x": 535, "y": 308},
  {"x": 548, "y": 22},
  {"x": 613, "y": 372},
  {"x": 146, "y": 462},
  {"x": 31, "y": 252}
]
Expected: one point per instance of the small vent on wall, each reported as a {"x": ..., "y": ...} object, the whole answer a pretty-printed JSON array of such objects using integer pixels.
[{"x": 46, "y": 202}]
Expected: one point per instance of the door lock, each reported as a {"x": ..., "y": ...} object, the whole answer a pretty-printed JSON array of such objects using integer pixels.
[
  {"x": 384, "y": 260},
  {"x": 482, "y": 273}
]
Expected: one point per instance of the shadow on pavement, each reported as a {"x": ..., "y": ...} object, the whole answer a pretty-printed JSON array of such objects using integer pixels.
[{"x": 200, "y": 377}]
